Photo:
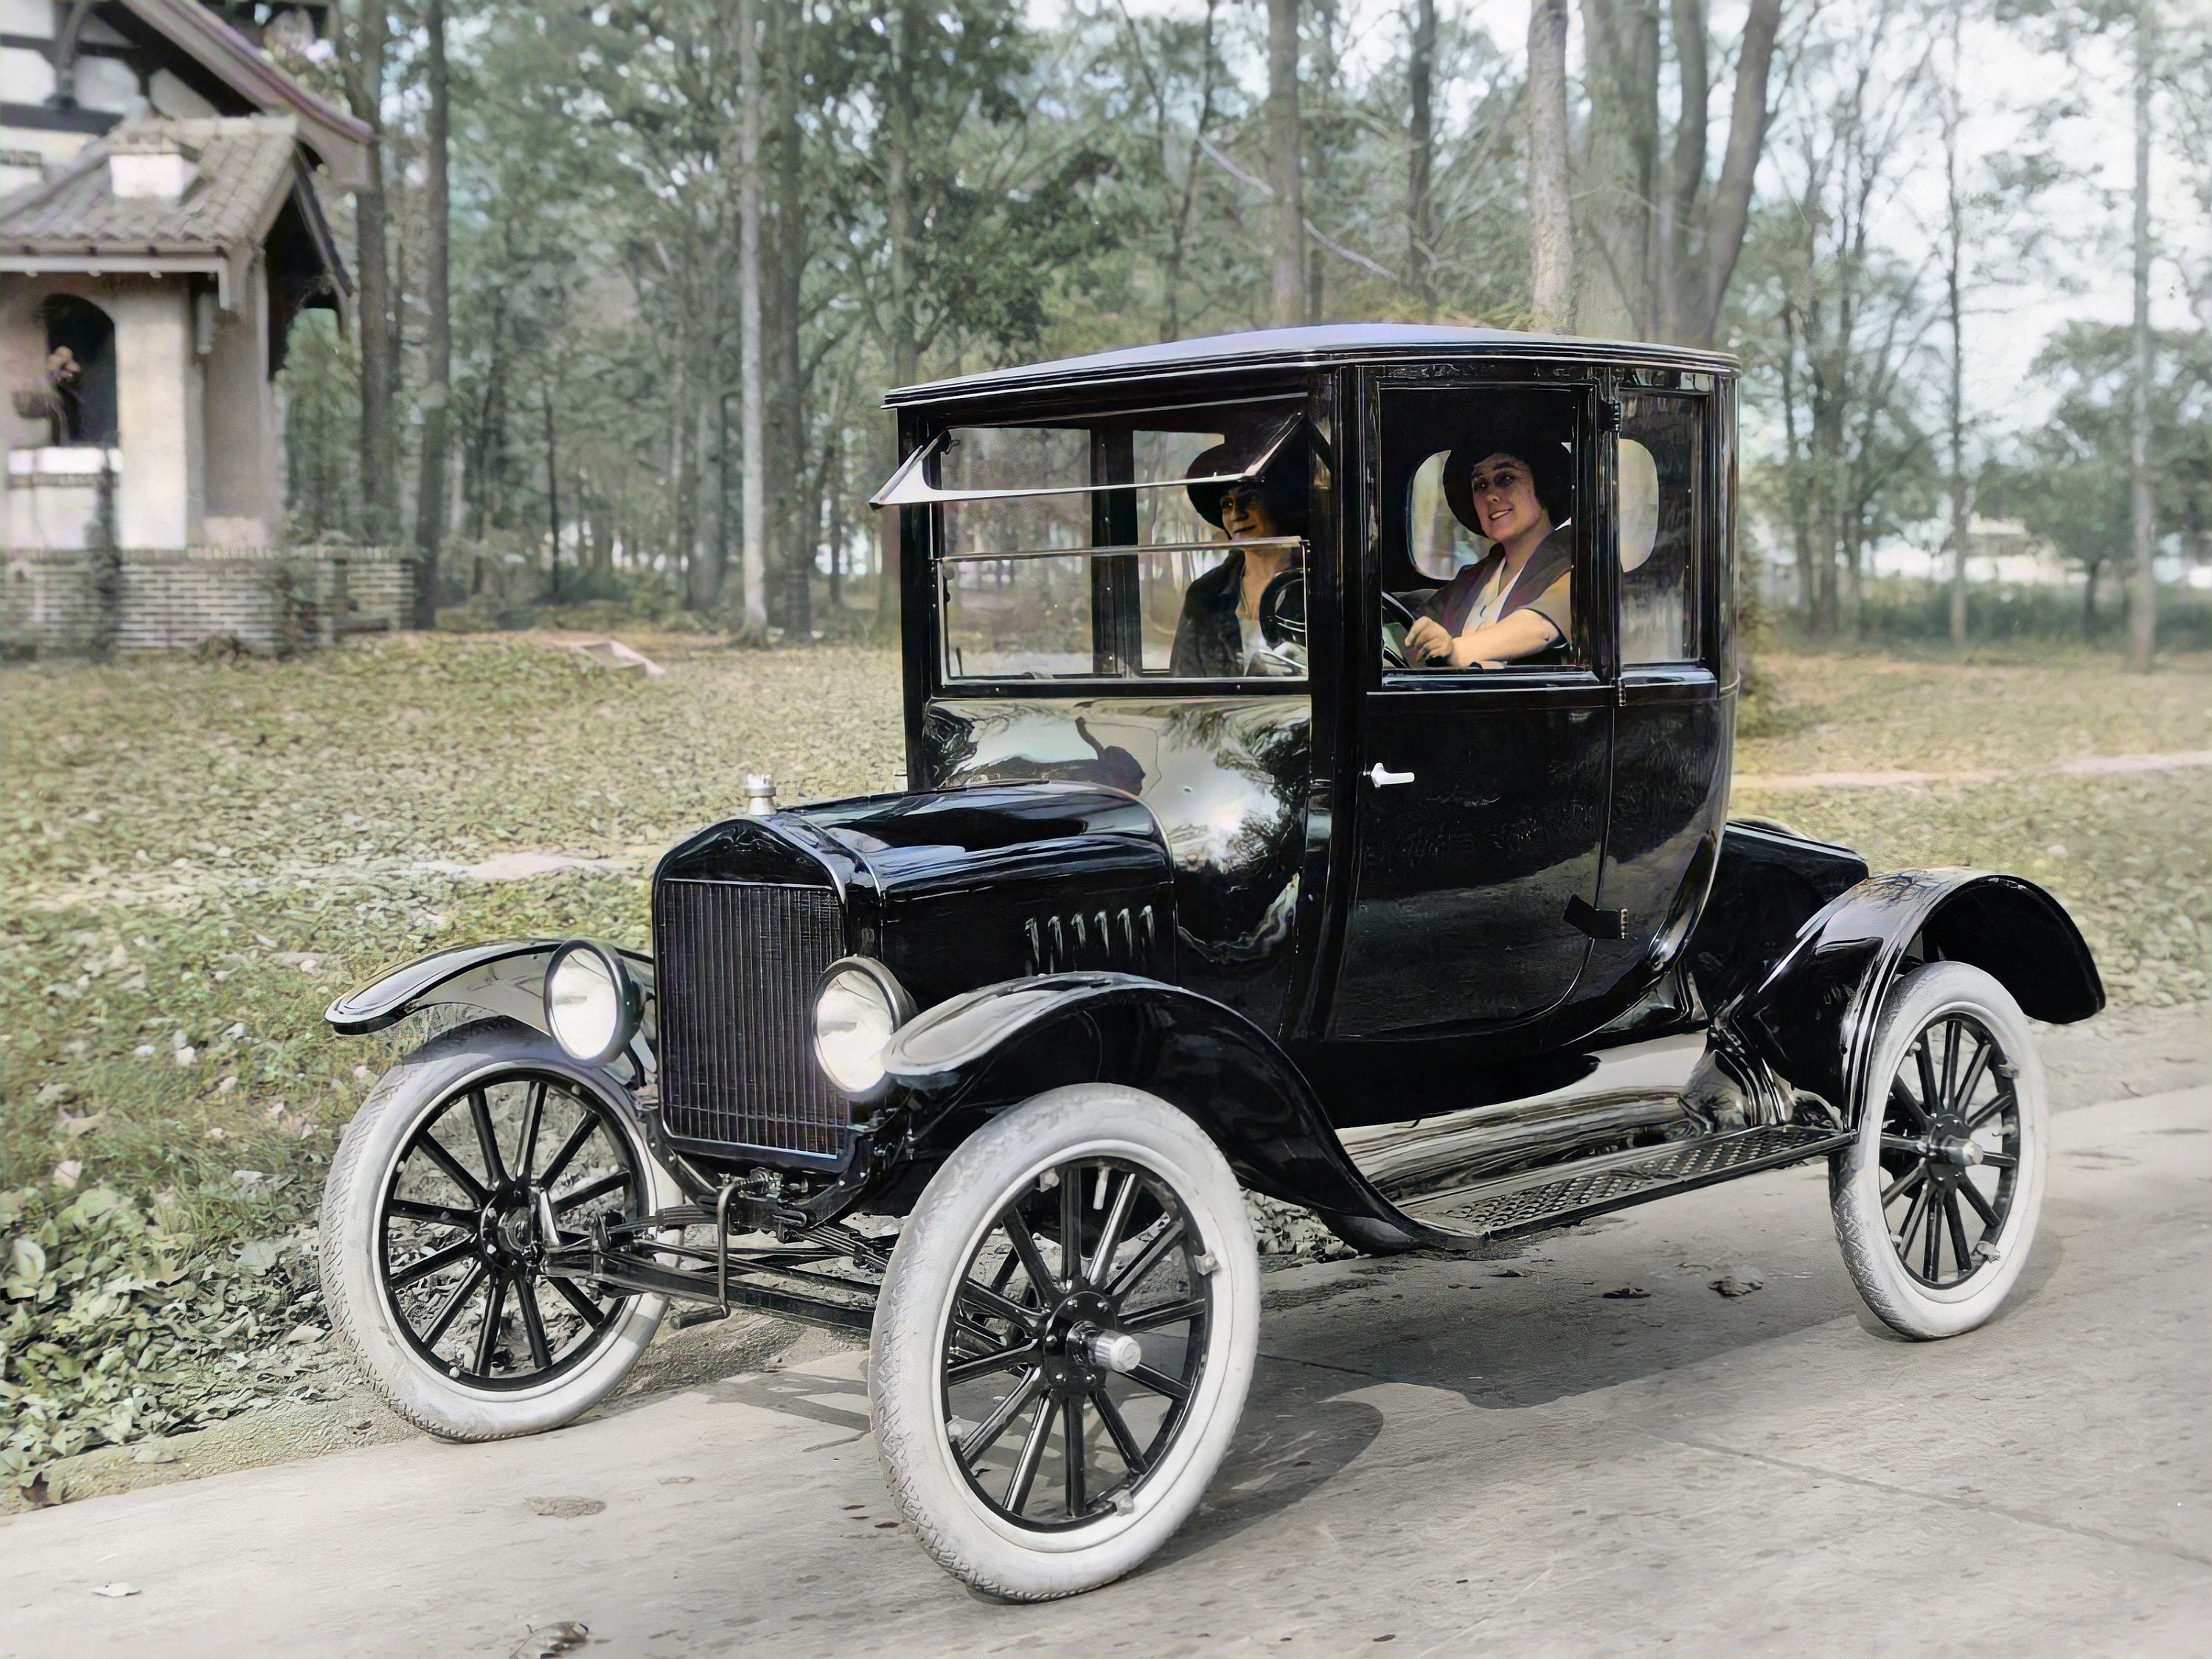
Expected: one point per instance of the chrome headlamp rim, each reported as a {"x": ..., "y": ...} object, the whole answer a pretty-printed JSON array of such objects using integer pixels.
[
  {"x": 898, "y": 1008},
  {"x": 630, "y": 1000}
]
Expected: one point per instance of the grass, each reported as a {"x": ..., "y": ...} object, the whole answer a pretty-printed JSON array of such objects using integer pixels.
[{"x": 196, "y": 857}]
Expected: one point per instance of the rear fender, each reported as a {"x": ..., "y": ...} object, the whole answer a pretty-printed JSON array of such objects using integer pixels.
[
  {"x": 506, "y": 977},
  {"x": 977, "y": 1054},
  {"x": 1813, "y": 1018}
]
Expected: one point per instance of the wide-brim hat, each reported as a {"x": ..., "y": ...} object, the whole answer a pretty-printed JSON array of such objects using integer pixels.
[
  {"x": 1284, "y": 485},
  {"x": 1551, "y": 466}
]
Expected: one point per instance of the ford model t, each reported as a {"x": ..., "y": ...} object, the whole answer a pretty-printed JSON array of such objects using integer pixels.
[{"x": 1318, "y": 751}]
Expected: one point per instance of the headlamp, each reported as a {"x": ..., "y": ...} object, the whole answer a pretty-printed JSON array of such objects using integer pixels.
[
  {"x": 857, "y": 1006},
  {"x": 591, "y": 1004}
]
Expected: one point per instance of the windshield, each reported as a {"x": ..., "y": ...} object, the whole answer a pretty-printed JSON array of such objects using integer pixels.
[{"x": 1132, "y": 547}]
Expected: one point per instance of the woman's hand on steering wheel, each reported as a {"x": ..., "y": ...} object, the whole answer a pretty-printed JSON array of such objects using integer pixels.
[{"x": 1393, "y": 657}]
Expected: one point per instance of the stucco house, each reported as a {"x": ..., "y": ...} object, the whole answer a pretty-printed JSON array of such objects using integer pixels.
[{"x": 160, "y": 234}]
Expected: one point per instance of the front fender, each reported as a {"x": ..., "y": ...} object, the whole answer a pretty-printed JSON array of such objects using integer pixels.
[
  {"x": 1813, "y": 1017},
  {"x": 505, "y": 977},
  {"x": 998, "y": 1045}
]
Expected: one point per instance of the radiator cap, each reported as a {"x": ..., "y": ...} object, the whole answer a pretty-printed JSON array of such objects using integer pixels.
[{"x": 760, "y": 794}]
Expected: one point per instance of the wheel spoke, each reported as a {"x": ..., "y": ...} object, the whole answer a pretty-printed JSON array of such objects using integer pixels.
[
  {"x": 1930, "y": 1096},
  {"x": 1071, "y": 1226},
  {"x": 453, "y": 1305},
  {"x": 1168, "y": 1313},
  {"x": 533, "y": 1325},
  {"x": 1951, "y": 1032},
  {"x": 587, "y": 1310},
  {"x": 1024, "y": 1242},
  {"x": 2004, "y": 1099},
  {"x": 1904, "y": 1184},
  {"x": 1956, "y": 1225},
  {"x": 590, "y": 1190},
  {"x": 436, "y": 1262},
  {"x": 982, "y": 1364},
  {"x": 1071, "y": 1433},
  {"x": 1025, "y": 1466},
  {"x": 487, "y": 1138},
  {"x": 989, "y": 1431},
  {"x": 1160, "y": 1382},
  {"x": 441, "y": 1215},
  {"x": 1901, "y": 1095},
  {"x": 488, "y": 1337},
  {"x": 1931, "y": 1251},
  {"x": 1981, "y": 1204},
  {"x": 1002, "y": 1307},
  {"x": 531, "y": 1119},
  {"x": 1983, "y": 1049},
  {"x": 432, "y": 1148},
  {"x": 569, "y": 1148},
  {"x": 1109, "y": 1235},
  {"x": 1904, "y": 1232},
  {"x": 1133, "y": 1274},
  {"x": 1117, "y": 1430}
]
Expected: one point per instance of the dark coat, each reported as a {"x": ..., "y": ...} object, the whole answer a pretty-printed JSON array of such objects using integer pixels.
[{"x": 1208, "y": 645}]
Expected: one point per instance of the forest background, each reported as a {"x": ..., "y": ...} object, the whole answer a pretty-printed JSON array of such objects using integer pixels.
[{"x": 619, "y": 250}]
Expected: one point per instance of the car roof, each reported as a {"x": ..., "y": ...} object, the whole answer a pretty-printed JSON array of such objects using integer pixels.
[{"x": 1317, "y": 344}]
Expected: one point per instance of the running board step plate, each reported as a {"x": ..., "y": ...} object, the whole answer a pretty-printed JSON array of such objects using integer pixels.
[{"x": 1553, "y": 1197}]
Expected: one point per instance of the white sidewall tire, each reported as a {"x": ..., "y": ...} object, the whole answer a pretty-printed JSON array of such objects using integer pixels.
[
  {"x": 967, "y": 1538},
  {"x": 353, "y": 1290},
  {"x": 1899, "y": 1299}
]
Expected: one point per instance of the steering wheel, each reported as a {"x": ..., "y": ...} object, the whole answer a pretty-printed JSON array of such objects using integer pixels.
[
  {"x": 1394, "y": 656},
  {"x": 1283, "y": 610}
]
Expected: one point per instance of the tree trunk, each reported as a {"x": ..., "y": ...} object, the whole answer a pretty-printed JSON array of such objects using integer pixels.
[
  {"x": 438, "y": 320},
  {"x": 754, "y": 437},
  {"x": 1685, "y": 170},
  {"x": 364, "y": 82},
  {"x": 552, "y": 492},
  {"x": 2142, "y": 594},
  {"x": 1954, "y": 316},
  {"x": 905, "y": 350},
  {"x": 1620, "y": 159},
  {"x": 1730, "y": 215},
  {"x": 1421, "y": 152},
  {"x": 1551, "y": 218},
  {"x": 794, "y": 526},
  {"x": 1286, "y": 165}
]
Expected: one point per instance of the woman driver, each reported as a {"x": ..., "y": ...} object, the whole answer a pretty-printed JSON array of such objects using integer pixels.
[
  {"x": 1218, "y": 630},
  {"x": 1517, "y": 600}
]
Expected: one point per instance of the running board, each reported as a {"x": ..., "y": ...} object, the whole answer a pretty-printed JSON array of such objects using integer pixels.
[{"x": 1575, "y": 1192}]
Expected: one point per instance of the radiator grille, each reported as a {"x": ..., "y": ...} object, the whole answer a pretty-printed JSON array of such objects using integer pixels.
[{"x": 736, "y": 966}]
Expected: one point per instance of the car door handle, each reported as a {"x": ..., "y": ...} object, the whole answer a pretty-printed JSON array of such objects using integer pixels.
[{"x": 1382, "y": 774}]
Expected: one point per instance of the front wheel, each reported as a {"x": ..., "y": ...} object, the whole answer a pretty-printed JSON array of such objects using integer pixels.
[
  {"x": 1063, "y": 1340},
  {"x": 473, "y": 1158},
  {"x": 1936, "y": 1204}
]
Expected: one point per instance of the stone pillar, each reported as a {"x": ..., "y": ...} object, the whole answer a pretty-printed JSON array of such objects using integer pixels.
[{"x": 158, "y": 415}]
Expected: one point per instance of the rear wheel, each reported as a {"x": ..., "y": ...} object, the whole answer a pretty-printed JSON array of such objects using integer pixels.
[
  {"x": 1937, "y": 1203},
  {"x": 1064, "y": 1341},
  {"x": 472, "y": 1158}
]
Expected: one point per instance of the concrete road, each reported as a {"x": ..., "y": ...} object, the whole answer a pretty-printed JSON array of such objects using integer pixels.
[{"x": 1436, "y": 1457}]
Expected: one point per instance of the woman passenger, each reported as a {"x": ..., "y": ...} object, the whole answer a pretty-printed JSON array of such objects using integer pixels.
[
  {"x": 1517, "y": 601},
  {"x": 1218, "y": 630}
]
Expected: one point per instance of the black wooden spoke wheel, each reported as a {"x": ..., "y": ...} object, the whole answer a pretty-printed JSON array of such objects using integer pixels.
[
  {"x": 1950, "y": 1150},
  {"x": 1076, "y": 1343},
  {"x": 1063, "y": 1340},
  {"x": 472, "y": 1160},
  {"x": 1936, "y": 1204},
  {"x": 493, "y": 1177}
]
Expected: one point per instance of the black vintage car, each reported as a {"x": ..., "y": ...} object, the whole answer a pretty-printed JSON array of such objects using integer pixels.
[{"x": 1318, "y": 748}]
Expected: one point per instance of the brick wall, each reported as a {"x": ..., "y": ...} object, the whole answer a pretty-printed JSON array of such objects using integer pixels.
[{"x": 272, "y": 600}]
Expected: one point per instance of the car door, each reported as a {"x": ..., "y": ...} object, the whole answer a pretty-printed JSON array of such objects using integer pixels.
[
  {"x": 1481, "y": 796},
  {"x": 1673, "y": 725}
]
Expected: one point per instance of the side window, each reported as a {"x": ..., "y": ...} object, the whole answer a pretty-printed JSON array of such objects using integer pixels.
[
  {"x": 1476, "y": 503},
  {"x": 1657, "y": 529}
]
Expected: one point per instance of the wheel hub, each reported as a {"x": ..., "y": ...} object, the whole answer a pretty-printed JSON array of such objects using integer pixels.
[
  {"x": 508, "y": 1228},
  {"x": 1079, "y": 1343}
]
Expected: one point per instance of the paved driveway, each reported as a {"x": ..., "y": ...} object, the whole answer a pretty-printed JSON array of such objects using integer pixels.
[{"x": 1437, "y": 1457}]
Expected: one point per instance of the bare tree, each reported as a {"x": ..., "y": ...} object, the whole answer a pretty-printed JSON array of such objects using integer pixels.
[
  {"x": 1551, "y": 221},
  {"x": 1954, "y": 403},
  {"x": 2143, "y": 592},
  {"x": 1421, "y": 151},
  {"x": 362, "y": 49},
  {"x": 755, "y": 437},
  {"x": 1286, "y": 164},
  {"x": 438, "y": 318}
]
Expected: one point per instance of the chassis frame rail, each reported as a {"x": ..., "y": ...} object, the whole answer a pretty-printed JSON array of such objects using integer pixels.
[{"x": 766, "y": 1278}]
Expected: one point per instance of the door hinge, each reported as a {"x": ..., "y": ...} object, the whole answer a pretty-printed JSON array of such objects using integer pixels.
[
  {"x": 1608, "y": 414},
  {"x": 1586, "y": 918}
]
